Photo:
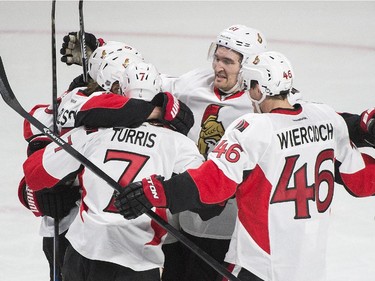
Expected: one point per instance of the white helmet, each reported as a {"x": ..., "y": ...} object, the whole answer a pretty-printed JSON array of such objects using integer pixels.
[
  {"x": 104, "y": 51},
  {"x": 242, "y": 39},
  {"x": 141, "y": 81},
  {"x": 113, "y": 66},
  {"x": 272, "y": 71}
]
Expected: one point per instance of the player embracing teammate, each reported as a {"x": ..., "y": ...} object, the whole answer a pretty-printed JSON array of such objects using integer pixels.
[
  {"x": 283, "y": 192},
  {"x": 217, "y": 97}
]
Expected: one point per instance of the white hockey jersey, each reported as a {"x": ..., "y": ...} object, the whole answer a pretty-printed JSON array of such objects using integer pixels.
[
  {"x": 76, "y": 104},
  {"x": 281, "y": 168},
  {"x": 127, "y": 155},
  {"x": 69, "y": 104},
  {"x": 213, "y": 114}
]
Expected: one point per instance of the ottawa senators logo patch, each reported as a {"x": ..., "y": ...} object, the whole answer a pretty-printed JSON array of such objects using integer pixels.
[
  {"x": 211, "y": 129},
  {"x": 242, "y": 125}
]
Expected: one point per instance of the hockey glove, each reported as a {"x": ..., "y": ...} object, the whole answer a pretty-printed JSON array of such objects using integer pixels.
[
  {"x": 139, "y": 197},
  {"x": 77, "y": 83},
  {"x": 368, "y": 121},
  {"x": 71, "y": 47},
  {"x": 175, "y": 113},
  {"x": 22, "y": 194},
  {"x": 37, "y": 143},
  {"x": 55, "y": 203}
]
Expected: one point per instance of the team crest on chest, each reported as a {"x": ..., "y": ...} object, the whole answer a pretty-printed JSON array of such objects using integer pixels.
[{"x": 211, "y": 129}]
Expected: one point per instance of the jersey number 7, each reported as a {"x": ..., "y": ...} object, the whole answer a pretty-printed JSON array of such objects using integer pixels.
[{"x": 135, "y": 164}]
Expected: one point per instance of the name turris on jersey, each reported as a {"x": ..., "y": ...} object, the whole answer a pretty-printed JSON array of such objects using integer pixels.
[
  {"x": 134, "y": 136},
  {"x": 305, "y": 135}
]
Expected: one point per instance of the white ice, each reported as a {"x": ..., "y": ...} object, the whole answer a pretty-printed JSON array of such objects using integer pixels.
[{"x": 330, "y": 44}]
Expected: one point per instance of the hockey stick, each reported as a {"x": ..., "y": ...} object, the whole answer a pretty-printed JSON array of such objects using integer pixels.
[
  {"x": 54, "y": 71},
  {"x": 56, "y": 250},
  {"x": 83, "y": 42},
  {"x": 9, "y": 97}
]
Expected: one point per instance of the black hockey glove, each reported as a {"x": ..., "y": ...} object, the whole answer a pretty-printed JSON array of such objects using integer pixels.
[
  {"x": 37, "y": 143},
  {"x": 367, "y": 124},
  {"x": 77, "y": 83},
  {"x": 55, "y": 203},
  {"x": 71, "y": 47},
  {"x": 175, "y": 113},
  {"x": 139, "y": 197}
]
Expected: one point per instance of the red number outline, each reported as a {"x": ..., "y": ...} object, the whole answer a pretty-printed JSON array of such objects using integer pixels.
[
  {"x": 301, "y": 193},
  {"x": 232, "y": 154},
  {"x": 135, "y": 164}
]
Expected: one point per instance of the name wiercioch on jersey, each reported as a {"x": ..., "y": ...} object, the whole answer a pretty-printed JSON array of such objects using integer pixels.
[
  {"x": 133, "y": 136},
  {"x": 305, "y": 134}
]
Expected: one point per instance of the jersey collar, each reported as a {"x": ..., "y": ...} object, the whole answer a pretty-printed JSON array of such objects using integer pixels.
[
  {"x": 289, "y": 111},
  {"x": 221, "y": 96}
]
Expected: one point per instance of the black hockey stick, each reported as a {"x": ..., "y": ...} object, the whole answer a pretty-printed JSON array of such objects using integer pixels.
[
  {"x": 9, "y": 97},
  {"x": 56, "y": 250},
  {"x": 54, "y": 71},
  {"x": 83, "y": 42}
]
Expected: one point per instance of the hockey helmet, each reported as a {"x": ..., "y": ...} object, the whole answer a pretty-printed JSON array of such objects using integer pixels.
[
  {"x": 272, "y": 71},
  {"x": 141, "y": 81},
  {"x": 113, "y": 66},
  {"x": 104, "y": 51},
  {"x": 242, "y": 39}
]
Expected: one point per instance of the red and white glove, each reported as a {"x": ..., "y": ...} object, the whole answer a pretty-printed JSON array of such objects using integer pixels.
[
  {"x": 28, "y": 199},
  {"x": 139, "y": 197},
  {"x": 367, "y": 121},
  {"x": 175, "y": 113}
]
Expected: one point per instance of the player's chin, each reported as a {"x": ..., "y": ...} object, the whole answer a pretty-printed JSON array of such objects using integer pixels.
[{"x": 220, "y": 83}]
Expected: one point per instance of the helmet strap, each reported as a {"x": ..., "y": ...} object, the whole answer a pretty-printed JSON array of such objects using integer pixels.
[{"x": 257, "y": 102}]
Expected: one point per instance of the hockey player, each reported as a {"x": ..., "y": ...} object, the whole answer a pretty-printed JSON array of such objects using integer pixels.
[
  {"x": 280, "y": 166},
  {"x": 61, "y": 203},
  {"x": 104, "y": 246},
  {"x": 217, "y": 98}
]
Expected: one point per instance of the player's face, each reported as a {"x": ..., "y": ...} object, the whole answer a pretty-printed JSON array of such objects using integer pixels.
[
  {"x": 226, "y": 65},
  {"x": 115, "y": 88}
]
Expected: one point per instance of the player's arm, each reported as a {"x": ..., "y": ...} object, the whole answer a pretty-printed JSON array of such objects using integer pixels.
[
  {"x": 44, "y": 114},
  {"x": 214, "y": 182},
  {"x": 355, "y": 168},
  {"x": 138, "y": 197},
  {"x": 361, "y": 127},
  {"x": 111, "y": 110},
  {"x": 47, "y": 167},
  {"x": 49, "y": 186},
  {"x": 190, "y": 158},
  {"x": 359, "y": 181},
  {"x": 53, "y": 202}
]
